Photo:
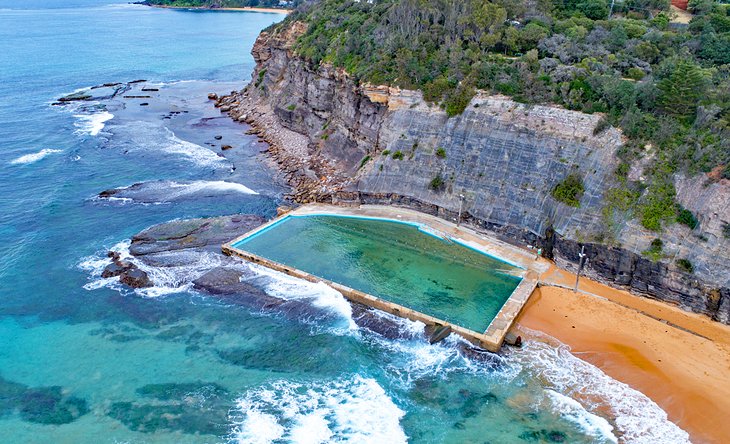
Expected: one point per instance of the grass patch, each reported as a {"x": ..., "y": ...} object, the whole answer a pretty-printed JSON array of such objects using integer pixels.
[
  {"x": 398, "y": 155},
  {"x": 441, "y": 153}
]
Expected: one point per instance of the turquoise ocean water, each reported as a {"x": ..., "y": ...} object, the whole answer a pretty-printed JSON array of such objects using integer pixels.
[{"x": 84, "y": 360}]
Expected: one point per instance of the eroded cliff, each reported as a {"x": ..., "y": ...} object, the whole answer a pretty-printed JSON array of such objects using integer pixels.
[{"x": 339, "y": 141}]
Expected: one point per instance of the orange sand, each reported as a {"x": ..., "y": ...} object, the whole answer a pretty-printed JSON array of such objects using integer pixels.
[{"x": 679, "y": 359}]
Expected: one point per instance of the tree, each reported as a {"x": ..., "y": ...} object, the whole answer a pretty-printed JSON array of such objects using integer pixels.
[
  {"x": 680, "y": 92},
  {"x": 594, "y": 9}
]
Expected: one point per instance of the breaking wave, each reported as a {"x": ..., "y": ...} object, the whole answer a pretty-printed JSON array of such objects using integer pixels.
[
  {"x": 355, "y": 410},
  {"x": 92, "y": 124},
  {"x": 193, "y": 152},
  {"x": 637, "y": 419},
  {"x": 33, "y": 157}
]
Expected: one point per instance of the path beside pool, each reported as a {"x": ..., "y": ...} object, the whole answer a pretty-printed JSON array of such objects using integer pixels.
[{"x": 491, "y": 339}]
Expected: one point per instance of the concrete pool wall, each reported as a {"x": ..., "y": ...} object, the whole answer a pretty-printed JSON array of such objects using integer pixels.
[{"x": 491, "y": 339}]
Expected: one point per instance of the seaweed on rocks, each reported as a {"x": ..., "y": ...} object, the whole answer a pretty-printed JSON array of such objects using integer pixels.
[{"x": 41, "y": 405}]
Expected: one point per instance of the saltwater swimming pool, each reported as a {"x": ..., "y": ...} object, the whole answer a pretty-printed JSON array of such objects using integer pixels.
[{"x": 396, "y": 261}]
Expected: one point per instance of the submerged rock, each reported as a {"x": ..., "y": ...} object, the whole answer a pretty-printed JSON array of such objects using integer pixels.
[
  {"x": 47, "y": 405},
  {"x": 191, "y": 408},
  {"x": 41, "y": 405}
]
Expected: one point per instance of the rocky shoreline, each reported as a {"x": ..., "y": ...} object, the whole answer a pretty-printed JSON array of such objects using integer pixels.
[
  {"x": 172, "y": 244},
  {"x": 330, "y": 138}
]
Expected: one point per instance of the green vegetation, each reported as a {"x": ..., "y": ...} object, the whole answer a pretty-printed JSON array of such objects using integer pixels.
[
  {"x": 654, "y": 252},
  {"x": 385, "y": 152},
  {"x": 364, "y": 160},
  {"x": 666, "y": 86},
  {"x": 685, "y": 265},
  {"x": 398, "y": 155},
  {"x": 437, "y": 183},
  {"x": 260, "y": 78},
  {"x": 570, "y": 190},
  {"x": 685, "y": 217},
  {"x": 291, "y": 107},
  {"x": 440, "y": 152},
  {"x": 658, "y": 205},
  {"x": 726, "y": 231}
]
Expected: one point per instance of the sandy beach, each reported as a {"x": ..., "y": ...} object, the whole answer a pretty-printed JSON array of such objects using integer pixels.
[
  {"x": 247, "y": 9},
  {"x": 680, "y": 360}
]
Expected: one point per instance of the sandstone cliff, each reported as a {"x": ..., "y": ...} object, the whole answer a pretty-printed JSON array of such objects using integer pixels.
[{"x": 337, "y": 141}]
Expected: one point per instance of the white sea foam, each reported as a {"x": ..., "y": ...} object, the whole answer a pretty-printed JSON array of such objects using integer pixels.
[
  {"x": 209, "y": 186},
  {"x": 166, "y": 280},
  {"x": 320, "y": 294},
  {"x": 638, "y": 419},
  {"x": 92, "y": 124},
  {"x": 572, "y": 411},
  {"x": 34, "y": 157},
  {"x": 354, "y": 410},
  {"x": 195, "y": 153}
]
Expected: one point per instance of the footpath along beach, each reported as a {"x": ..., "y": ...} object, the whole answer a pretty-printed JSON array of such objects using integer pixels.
[{"x": 680, "y": 360}]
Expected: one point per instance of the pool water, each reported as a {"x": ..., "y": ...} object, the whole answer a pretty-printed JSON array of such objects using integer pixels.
[{"x": 394, "y": 261}]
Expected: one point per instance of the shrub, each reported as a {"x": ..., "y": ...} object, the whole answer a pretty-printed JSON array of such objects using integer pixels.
[
  {"x": 726, "y": 231},
  {"x": 291, "y": 107},
  {"x": 385, "y": 152},
  {"x": 437, "y": 183},
  {"x": 685, "y": 217},
  {"x": 364, "y": 160},
  {"x": 685, "y": 265},
  {"x": 635, "y": 73},
  {"x": 658, "y": 205},
  {"x": 398, "y": 155},
  {"x": 457, "y": 100},
  {"x": 654, "y": 252},
  {"x": 260, "y": 79},
  {"x": 570, "y": 190},
  {"x": 601, "y": 126},
  {"x": 440, "y": 152}
]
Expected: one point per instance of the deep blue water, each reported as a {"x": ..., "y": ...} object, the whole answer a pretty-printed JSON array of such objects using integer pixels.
[{"x": 86, "y": 360}]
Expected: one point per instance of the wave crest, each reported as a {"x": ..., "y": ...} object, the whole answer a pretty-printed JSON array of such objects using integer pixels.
[
  {"x": 347, "y": 410},
  {"x": 34, "y": 157}
]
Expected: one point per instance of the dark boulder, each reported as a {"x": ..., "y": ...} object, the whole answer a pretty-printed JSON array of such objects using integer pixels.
[
  {"x": 135, "y": 278},
  {"x": 116, "y": 268}
]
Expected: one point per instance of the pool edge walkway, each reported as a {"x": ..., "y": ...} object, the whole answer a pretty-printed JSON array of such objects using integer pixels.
[{"x": 491, "y": 339}]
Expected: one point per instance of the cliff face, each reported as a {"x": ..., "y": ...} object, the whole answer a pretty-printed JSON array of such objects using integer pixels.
[{"x": 498, "y": 161}]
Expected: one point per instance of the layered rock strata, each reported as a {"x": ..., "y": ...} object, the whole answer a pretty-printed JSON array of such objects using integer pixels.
[{"x": 496, "y": 165}]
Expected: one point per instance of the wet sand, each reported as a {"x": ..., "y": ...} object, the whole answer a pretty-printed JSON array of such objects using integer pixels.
[{"x": 680, "y": 360}]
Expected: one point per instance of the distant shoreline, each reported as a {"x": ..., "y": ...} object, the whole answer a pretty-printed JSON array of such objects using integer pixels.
[{"x": 242, "y": 9}]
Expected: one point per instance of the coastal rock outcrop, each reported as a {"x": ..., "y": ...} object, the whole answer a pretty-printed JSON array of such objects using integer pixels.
[
  {"x": 496, "y": 164},
  {"x": 185, "y": 243}
]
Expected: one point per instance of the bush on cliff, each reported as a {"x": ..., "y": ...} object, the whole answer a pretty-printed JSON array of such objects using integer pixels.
[
  {"x": 569, "y": 190},
  {"x": 667, "y": 87}
]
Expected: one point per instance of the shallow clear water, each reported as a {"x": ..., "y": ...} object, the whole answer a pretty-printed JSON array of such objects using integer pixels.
[
  {"x": 84, "y": 360},
  {"x": 394, "y": 261}
]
